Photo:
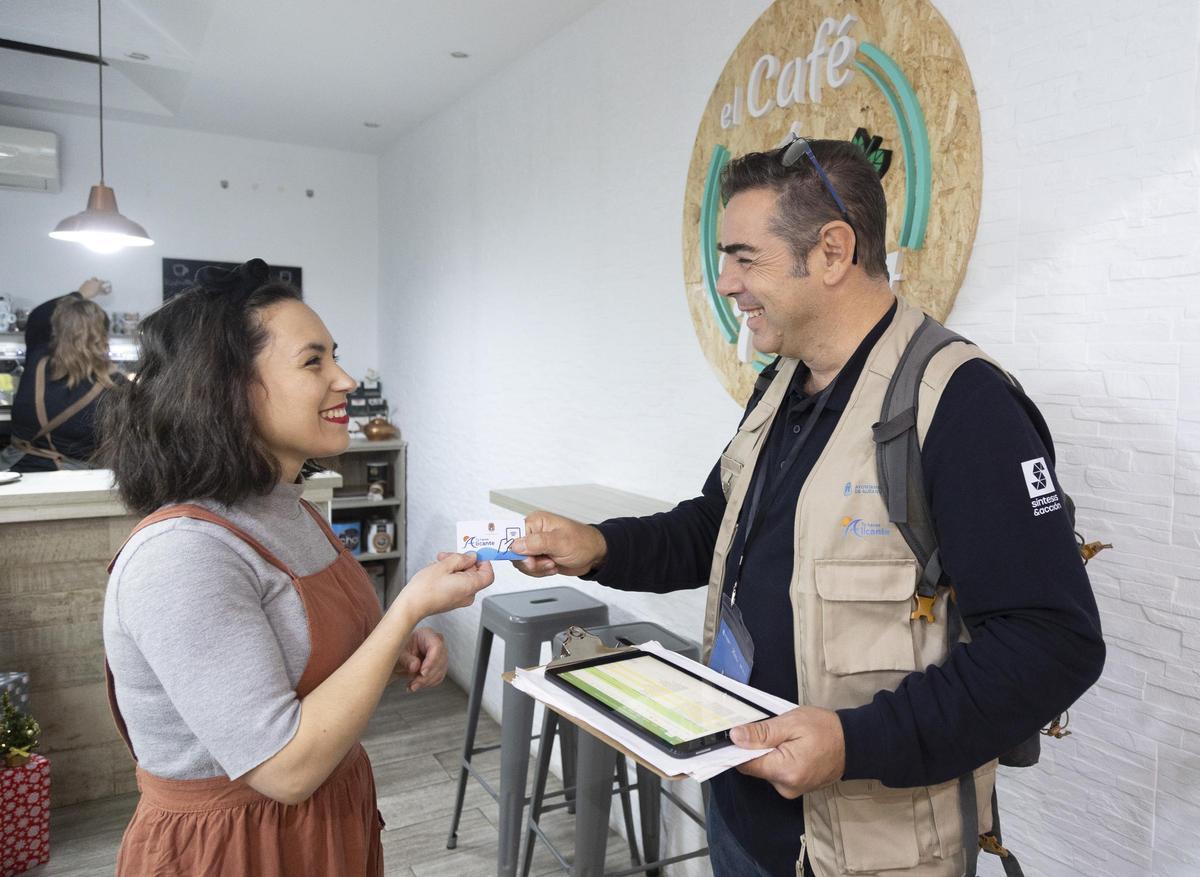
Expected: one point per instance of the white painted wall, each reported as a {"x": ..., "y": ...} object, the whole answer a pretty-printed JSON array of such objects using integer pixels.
[
  {"x": 168, "y": 180},
  {"x": 534, "y": 331}
]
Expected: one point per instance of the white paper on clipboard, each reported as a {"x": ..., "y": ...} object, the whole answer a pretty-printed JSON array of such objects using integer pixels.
[{"x": 699, "y": 767}]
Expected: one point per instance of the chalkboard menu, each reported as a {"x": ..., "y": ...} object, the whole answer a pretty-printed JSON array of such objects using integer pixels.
[{"x": 180, "y": 274}]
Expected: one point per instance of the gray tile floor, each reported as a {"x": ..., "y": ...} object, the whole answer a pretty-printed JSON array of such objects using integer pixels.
[{"x": 415, "y": 742}]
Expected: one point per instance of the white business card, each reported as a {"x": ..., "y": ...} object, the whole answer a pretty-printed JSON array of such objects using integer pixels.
[{"x": 490, "y": 540}]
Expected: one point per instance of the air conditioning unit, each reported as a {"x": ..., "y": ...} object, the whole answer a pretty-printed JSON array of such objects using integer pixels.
[{"x": 28, "y": 160}]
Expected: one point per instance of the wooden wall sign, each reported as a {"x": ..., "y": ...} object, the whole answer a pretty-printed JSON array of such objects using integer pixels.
[{"x": 888, "y": 73}]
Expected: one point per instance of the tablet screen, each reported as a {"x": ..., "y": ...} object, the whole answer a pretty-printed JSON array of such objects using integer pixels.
[{"x": 659, "y": 697}]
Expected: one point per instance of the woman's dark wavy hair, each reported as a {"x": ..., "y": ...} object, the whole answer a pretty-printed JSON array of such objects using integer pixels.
[{"x": 183, "y": 429}]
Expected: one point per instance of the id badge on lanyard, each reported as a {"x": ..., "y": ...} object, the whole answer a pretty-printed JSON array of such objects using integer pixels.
[{"x": 733, "y": 648}]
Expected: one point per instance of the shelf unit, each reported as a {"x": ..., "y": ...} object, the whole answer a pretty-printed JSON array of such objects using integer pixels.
[{"x": 350, "y": 503}]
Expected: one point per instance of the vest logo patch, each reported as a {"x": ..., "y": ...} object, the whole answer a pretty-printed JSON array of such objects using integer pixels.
[
  {"x": 862, "y": 529},
  {"x": 850, "y": 489}
]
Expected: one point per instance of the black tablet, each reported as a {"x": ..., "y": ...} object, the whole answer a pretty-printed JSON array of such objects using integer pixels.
[{"x": 676, "y": 710}]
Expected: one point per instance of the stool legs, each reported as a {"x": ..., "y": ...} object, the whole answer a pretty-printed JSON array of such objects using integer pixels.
[
  {"x": 545, "y": 747},
  {"x": 595, "y": 764},
  {"x": 627, "y": 808},
  {"x": 517, "y": 723},
  {"x": 567, "y": 734},
  {"x": 483, "y": 651},
  {"x": 650, "y": 807}
]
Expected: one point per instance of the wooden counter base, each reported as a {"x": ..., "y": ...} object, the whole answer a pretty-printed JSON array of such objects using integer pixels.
[{"x": 58, "y": 531}]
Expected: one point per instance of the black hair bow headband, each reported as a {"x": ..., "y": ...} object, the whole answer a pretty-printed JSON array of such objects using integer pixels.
[{"x": 235, "y": 284}]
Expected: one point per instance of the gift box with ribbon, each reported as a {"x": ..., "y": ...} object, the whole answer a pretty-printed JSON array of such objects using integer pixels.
[{"x": 24, "y": 816}]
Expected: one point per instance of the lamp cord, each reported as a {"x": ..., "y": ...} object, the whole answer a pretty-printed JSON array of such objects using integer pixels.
[{"x": 100, "y": 66}]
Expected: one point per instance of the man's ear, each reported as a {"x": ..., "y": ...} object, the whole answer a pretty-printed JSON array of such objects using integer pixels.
[{"x": 836, "y": 252}]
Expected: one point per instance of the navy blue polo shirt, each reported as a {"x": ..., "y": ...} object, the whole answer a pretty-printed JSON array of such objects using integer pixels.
[{"x": 1036, "y": 643}]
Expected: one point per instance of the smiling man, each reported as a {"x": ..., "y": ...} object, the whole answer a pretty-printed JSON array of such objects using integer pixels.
[{"x": 815, "y": 595}]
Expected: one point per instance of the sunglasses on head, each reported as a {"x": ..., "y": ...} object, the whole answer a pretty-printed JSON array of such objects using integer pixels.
[{"x": 791, "y": 155}]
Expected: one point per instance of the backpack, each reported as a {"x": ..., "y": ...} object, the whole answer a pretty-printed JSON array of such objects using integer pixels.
[{"x": 902, "y": 488}]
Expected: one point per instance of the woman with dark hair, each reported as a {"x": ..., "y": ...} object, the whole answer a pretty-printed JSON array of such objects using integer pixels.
[
  {"x": 66, "y": 370},
  {"x": 246, "y": 649}
]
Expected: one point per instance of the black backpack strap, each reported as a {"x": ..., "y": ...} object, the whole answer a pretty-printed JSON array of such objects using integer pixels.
[
  {"x": 898, "y": 456},
  {"x": 969, "y": 809},
  {"x": 993, "y": 842},
  {"x": 902, "y": 486},
  {"x": 761, "y": 384}
]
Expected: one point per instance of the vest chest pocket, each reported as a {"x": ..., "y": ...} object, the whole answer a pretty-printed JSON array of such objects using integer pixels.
[
  {"x": 865, "y": 615},
  {"x": 749, "y": 435}
]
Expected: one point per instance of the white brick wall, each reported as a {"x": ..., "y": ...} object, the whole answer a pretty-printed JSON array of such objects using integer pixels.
[
  {"x": 1093, "y": 250},
  {"x": 535, "y": 332}
]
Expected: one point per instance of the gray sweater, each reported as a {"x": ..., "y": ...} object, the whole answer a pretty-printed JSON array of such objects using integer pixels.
[{"x": 207, "y": 641}]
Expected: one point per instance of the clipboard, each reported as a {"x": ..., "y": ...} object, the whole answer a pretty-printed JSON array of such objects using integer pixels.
[{"x": 577, "y": 647}]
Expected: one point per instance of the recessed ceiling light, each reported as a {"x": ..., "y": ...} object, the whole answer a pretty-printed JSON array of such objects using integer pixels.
[
  {"x": 370, "y": 124},
  {"x": 459, "y": 55},
  {"x": 138, "y": 56}
]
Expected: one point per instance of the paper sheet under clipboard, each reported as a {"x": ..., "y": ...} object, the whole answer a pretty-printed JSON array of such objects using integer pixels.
[{"x": 699, "y": 767}]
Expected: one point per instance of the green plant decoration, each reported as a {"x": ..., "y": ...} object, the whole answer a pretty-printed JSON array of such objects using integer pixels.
[{"x": 881, "y": 158}]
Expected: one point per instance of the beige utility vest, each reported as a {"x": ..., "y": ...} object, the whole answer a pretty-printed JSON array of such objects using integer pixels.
[{"x": 852, "y": 592}]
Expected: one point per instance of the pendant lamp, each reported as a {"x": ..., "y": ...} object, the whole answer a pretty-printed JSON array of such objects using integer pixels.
[{"x": 101, "y": 228}]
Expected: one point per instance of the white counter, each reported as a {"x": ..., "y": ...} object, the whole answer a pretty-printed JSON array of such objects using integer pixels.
[
  {"x": 90, "y": 493},
  {"x": 583, "y": 502}
]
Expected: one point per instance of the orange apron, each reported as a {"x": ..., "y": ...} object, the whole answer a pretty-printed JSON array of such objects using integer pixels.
[{"x": 219, "y": 827}]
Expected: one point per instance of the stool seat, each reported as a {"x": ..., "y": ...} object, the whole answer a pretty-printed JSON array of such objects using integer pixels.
[{"x": 522, "y": 612}]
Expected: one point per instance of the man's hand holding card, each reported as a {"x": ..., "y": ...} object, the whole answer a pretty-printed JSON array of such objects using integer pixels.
[{"x": 556, "y": 545}]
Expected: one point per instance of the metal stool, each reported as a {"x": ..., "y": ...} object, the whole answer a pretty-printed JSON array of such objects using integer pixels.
[
  {"x": 588, "y": 766},
  {"x": 524, "y": 620}
]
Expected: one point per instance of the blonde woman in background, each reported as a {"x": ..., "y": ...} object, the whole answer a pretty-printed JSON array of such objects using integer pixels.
[{"x": 67, "y": 369}]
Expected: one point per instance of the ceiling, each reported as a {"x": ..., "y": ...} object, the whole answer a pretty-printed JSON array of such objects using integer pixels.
[{"x": 297, "y": 71}]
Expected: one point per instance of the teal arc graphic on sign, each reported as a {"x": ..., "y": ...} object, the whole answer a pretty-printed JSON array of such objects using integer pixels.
[
  {"x": 914, "y": 141},
  {"x": 709, "y": 254},
  {"x": 918, "y": 183}
]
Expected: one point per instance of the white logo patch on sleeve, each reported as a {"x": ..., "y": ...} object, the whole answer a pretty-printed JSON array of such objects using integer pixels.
[
  {"x": 1044, "y": 498},
  {"x": 1037, "y": 477}
]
